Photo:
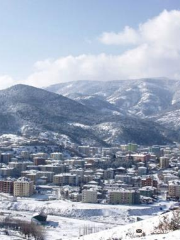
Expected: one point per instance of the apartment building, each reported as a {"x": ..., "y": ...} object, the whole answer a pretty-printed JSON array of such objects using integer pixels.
[
  {"x": 174, "y": 188},
  {"x": 35, "y": 175},
  {"x": 149, "y": 181},
  {"x": 5, "y": 158},
  {"x": 75, "y": 162},
  {"x": 123, "y": 196},
  {"x": 132, "y": 147},
  {"x": 141, "y": 157},
  {"x": 142, "y": 171},
  {"x": 7, "y": 186},
  {"x": 164, "y": 162},
  {"x": 155, "y": 150},
  {"x": 89, "y": 196},
  {"x": 20, "y": 166},
  {"x": 25, "y": 154},
  {"x": 169, "y": 177},
  {"x": 56, "y": 168},
  {"x": 39, "y": 161},
  {"x": 87, "y": 178},
  {"x": 23, "y": 187},
  {"x": 66, "y": 179},
  {"x": 124, "y": 178},
  {"x": 6, "y": 171},
  {"x": 40, "y": 154},
  {"x": 56, "y": 156},
  {"x": 147, "y": 191}
]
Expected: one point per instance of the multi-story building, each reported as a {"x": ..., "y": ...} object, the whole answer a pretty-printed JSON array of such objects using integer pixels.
[
  {"x": 7, "y": 186},
  {"x": 142, "y": 171},
  {"x": 174, "y": 188},
  {"x": 147, "y": 191},
  {"x": 109, "y": 173},
  {"x": 141, "y": 157},
  {"x": 155, "y": 150},
  {"x": 124, "y": 178},
  {"x": 25, "y": 155},
  {"x": 124, "y": 147},
  {"x": 132, "y": 147},
  {"x": 56, "y": 168},
  {"x": 39, "y": 161},
  {"x": 66, "y": 179},
  {"x": 94, "y": 150},
  {"x": 164, "y": 162},
  {"x": 5, "y": 157},
  {"x": 35, "y": 175},
  {"x": 20, "y": 166},
  {"x": 123, "y": 196},
  {"x": 87, "y": 178},
  {"x": 56, "y": 156},
  {"x": 149, "y": 181},
  {"x": 6, "y": 172},
  {"x": 23, "y": 187},
  {"x": 32, "y": 176},
  {"x": 75, "y": 162},
  {"x": 169, "y": 177},
  {"x": 40, "y": 154},
  {"x": 89, "y": 196},
  {"x": 79, "y": 172}
]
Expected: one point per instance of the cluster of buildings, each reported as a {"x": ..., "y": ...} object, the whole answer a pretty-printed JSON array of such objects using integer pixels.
[
  {"x": 126, "y": 174},
  {"x": 21, "y": 187}
]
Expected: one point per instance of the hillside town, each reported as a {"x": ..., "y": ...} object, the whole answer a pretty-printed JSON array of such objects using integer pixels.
[{"x": 126, "y": 174}]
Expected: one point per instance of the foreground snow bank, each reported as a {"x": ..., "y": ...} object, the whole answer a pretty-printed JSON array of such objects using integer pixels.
[{"x": 130, "y": 231}]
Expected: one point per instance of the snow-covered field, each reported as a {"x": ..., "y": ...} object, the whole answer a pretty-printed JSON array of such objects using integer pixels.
[
  {"x": 129, "y": 231},
  {"x": 68, "y": 220}
]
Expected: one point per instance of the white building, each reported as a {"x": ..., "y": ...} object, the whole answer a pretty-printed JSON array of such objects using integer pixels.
[
  {"x": 174, "y": 188},
  {"x": 89, "y": 196},
  {"x": 23, "y": 187}
]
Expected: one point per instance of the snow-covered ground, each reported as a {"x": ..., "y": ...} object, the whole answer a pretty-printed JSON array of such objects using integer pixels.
[
  {"x": 175, "y": 235},
  {"x": 129, "y": 231},
  {"x": 68, "y": 220},
  {"x": 10, "y": 235}
]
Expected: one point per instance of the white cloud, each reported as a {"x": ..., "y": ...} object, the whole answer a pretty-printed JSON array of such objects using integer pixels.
[
  {"x": 156, "y": 53},
  {"x": 6, "y": 81},
  {"x": 163, "y": 30},
  {"x": 128, "y": 36}
]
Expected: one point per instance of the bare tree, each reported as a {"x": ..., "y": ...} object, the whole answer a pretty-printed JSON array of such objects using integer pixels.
[
  {"x": 168, "y": 224},
  {"x": 28, "y": 229}
]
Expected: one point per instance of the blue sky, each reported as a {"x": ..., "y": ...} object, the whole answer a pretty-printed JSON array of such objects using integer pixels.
[{"x": 46, "y": 30}]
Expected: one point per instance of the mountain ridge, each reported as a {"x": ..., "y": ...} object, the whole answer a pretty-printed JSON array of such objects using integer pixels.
[
  {"x": 41, "y": 111},
  {"x": 129, "y": 96}
]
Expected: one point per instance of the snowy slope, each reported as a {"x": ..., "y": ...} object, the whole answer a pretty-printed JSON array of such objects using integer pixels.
[
  {"x": 129, "y": 231},
  {"x": 140, "y": 97},
  {"x": 66, "y": 219},
  {"x": 157, "y": 99},
  {"x": 31, "y": 111}
]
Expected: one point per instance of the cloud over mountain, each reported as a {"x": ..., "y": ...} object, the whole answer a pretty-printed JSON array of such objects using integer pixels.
[{"x": 154, "y": 52}]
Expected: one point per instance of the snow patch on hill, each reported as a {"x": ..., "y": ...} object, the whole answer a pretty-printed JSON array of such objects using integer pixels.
[{"x": 129, "y": 231}]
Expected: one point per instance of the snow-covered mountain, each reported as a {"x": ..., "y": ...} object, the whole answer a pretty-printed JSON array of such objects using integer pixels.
[
  {"x": 29, "y": 109},
  {"x": 141, "y": 97},
  {"x": 154, "y": 99}
]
